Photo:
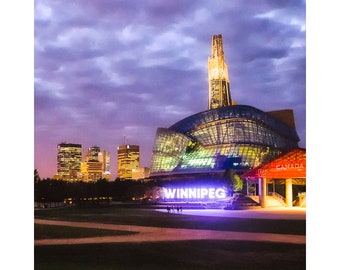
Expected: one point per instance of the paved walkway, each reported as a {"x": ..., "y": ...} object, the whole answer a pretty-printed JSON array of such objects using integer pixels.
[
  {"x": 152, "y": 234},
  {"x": 261, "y": 213}
]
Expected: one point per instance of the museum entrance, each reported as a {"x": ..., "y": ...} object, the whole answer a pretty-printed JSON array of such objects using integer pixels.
[{"x": 280, "y": 182}]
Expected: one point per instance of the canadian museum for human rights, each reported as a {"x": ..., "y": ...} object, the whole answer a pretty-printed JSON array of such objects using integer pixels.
[{"x": 229, "y": 147}]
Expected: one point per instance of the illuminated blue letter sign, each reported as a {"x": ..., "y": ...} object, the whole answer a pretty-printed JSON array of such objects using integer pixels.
[{"x": 194, "y": 193}]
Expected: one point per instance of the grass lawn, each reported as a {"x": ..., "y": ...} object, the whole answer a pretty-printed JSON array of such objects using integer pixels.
[
  {"x": 149, "y": 217},
  {"x": 188, "y": 255},
  {"x": 193, "y": 254},
  {"x": 42, "y": 231}
]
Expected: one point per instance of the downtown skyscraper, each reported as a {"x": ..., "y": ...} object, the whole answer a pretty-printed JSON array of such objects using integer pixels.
[
  {"x": 69, "y": 161},
  {"x": 128, "y": 159},
  {"x": 96, "y": 165},
  {"x": 105, "y": 157}
]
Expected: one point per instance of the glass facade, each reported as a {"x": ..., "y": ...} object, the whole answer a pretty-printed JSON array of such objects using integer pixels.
[
  {"x": 69, "y": 160},
  {"x": 105, "y": 157},
  {"x": 92, "y": 154},
  {"x": 128, "y": 159},
  {"x": 168, "y": 150},
  {"x": 239, "y": 137}
]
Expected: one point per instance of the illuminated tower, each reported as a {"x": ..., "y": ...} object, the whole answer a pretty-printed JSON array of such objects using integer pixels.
[
  {"x": 69, "y": 161},
  {"x": 128, "y": 159},
  {"x": 219, "y": 90}
]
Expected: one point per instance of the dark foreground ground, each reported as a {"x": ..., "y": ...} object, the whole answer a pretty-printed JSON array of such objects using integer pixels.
[
  {"x": 189, "y": 254},
  {"x": 207, "y": 254}
]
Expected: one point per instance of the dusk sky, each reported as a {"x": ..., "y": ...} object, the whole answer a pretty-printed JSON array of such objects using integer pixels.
[{"x": 108, "y": 73}]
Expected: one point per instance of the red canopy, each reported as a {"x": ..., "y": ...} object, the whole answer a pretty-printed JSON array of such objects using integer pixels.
[{"x": 288, "y": 165}]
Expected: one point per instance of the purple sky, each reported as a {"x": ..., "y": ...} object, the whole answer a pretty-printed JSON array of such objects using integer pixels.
[{"x": 111, "y": 72}]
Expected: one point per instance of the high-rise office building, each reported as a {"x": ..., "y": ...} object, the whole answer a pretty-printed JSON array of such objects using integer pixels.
[
  {"x": 128, "y": 159},
  {"x": 219, "y": 89},
  {"x": 96, "y": 164},
  {"x": 69, "y": 161},
  {"x": 105, "y": 158},
  {"x": 92, "y": 153},
  {"x": 92, "y": 170}
]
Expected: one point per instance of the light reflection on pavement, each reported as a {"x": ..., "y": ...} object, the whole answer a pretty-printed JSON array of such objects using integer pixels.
[{"x": 262, "y": 213}]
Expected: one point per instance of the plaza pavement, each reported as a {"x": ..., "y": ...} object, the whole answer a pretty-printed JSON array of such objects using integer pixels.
[
  {"x": 261, "y": 213},
  {"x": 153, "y": 234}
]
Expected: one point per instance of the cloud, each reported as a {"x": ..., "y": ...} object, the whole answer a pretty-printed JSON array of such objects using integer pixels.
[{"x": 108, "y": 69}]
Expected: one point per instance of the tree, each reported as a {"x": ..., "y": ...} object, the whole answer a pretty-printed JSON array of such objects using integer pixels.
[
  {"x": 37, "y": 179},
  {"x": 237, "y": 183},
  {"x": 36, "y": 176}
]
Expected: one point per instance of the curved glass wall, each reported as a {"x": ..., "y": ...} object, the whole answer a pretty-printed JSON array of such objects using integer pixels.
[
  {"x": 237, "y": 136},
  {"x": 169, "y": 147},
  {"x": 238, "y": 131},
  {"x": 238, "y": 112},
  {"x": 226, "y": 156}
]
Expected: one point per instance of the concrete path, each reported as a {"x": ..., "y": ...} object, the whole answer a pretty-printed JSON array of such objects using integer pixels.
[
  {"x": 298, "y": 213},
  {"x": 152, "y": 234}
]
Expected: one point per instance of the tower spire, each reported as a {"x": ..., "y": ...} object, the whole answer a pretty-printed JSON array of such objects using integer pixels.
[{"x": 219, "y": 89}]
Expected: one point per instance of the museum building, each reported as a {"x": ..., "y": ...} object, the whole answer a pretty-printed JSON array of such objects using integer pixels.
[{"x": 203, "y": 147}]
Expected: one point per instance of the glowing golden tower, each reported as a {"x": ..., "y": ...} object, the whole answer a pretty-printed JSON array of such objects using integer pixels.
[{"x": 219, "y": 90}]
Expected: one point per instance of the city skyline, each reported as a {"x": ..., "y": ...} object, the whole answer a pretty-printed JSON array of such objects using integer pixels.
[{"x": 111, "y": 73}]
